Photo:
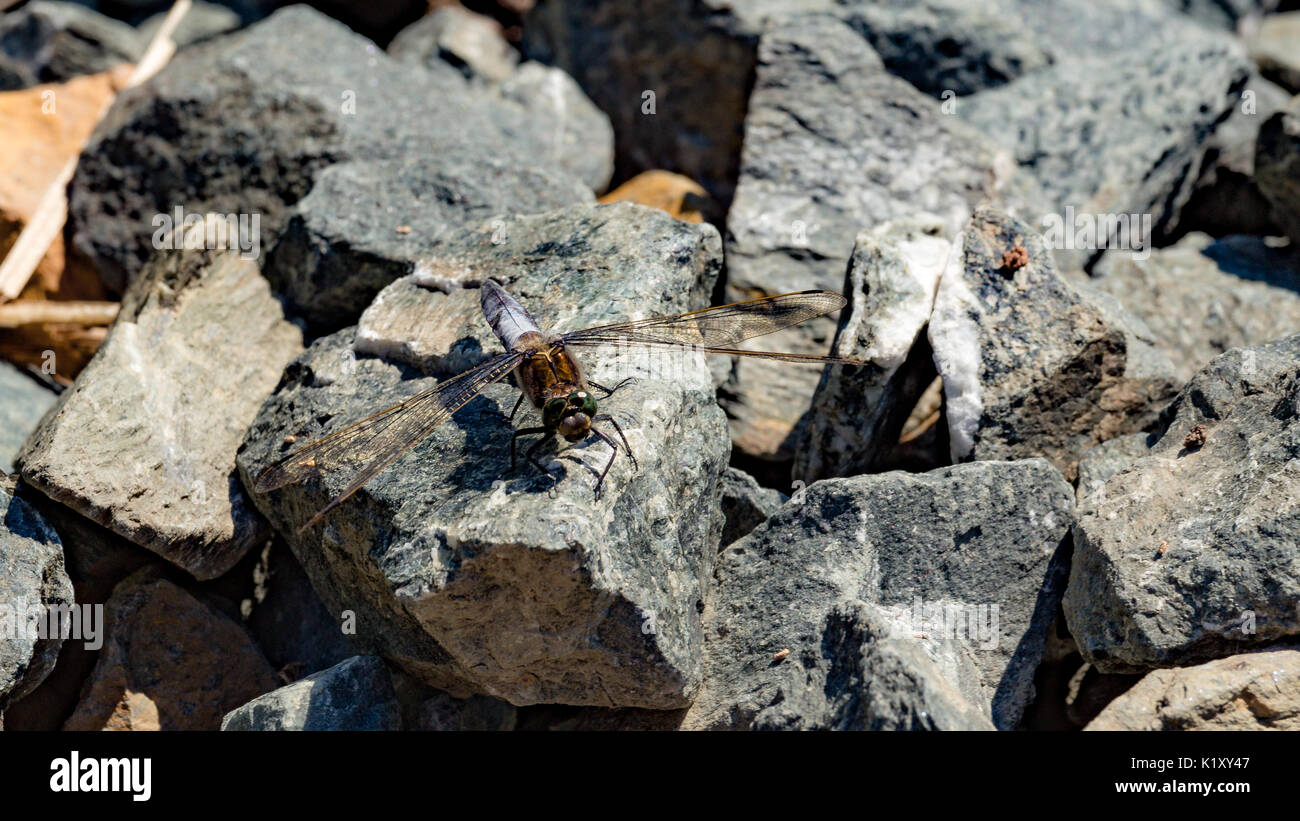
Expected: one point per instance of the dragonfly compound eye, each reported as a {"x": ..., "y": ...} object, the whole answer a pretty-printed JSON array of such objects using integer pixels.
[
  {"x": 552, "y": 411},
  {"x": 585, "y": 401}
]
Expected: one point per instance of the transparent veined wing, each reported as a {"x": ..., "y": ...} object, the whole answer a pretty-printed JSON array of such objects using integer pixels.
[
  {"x": 364, "y": 448},
  {"x": 721, "y": 329}
]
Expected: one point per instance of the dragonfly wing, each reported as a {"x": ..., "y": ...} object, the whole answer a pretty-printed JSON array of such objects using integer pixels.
[
  {"x": 364, "y": 448},
  {"x": 720, "y": 329}
]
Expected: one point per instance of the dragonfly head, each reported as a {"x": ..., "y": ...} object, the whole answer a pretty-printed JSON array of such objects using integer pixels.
[{"x": 571, "y": 416}]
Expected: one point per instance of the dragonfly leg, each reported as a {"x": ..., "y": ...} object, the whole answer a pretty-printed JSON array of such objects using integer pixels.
[
  {"x": 515, "y": 439},
  {"x": 605, "y": 417},
  {"x": 613, "y": 446},
  {"x": 517, "y": 404},
  {"x": 609, "y": 391},
  {"x": 531, "y": 455}
]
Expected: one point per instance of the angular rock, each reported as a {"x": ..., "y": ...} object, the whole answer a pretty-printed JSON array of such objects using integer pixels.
[
  {"x": 515, "y": 585},
  {"x": 1200, "y": 298},
  {"x": 353, "y": 695},
  {"x": 1030, "y": 366},
  {"x": 1119, "y": 133},
  {"x": 826, "y": 117},
  {"x": 202, "y": 22},
  {"x": 23, "y": 401},
  {"x": 455, "y": 36},
  {"x": 144, "y": 443},
  {"x": 745, "y": 504},
  {"x": 245, "y": 123},
  {"x": 1254, "y": 691},
  {"x": 169, "y": 662},
  {"x": 991, "y": 538},
  {"x": 46, "y": 42},
  {"x": 1273, "y": 48},
  {"x": 1100, "y": 462},
  {"x": 290, "y": 623},
  {"x": 1190, "y": 553},
  {"x": 1277, "y": 166},
  {"x": 33, "y": 586},
  {"x": 858, "y": 412},
  {"x": 570, "y": 131}
]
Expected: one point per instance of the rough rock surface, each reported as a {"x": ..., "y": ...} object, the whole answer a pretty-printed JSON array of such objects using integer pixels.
[
  {"x": 23, "y": 402},
  {"x": 858, "y": 412},
  {"x": 144, "y": 443},
  {"x": 827, "y": 133},
  {"x": 452, "y": 35},
  {"x": 1200, "y": 297},
  {"x": 169, "y": 662},
  {"x": 745, "y": 504},
  {"x": 355, "y": 694},
  {"x": 1277, "y": 166},
  {"x": 991, "y": 538},
  {"x": 1273, "y": 48},
  {"x": 1120, "y": 133},
  {"x": 244, "y": 124},
  {"x": 292, "y": 626},
  {"x": 33, "y": 583},
  {"x": 46, "y": 42},
  {"x": 1030, "y": 367},
  {"x": 1190, "y": 553},
  {"x": 1254, "y": 691},
  {"x": 1100, "y": 462},
  {"x": 478, "y": 579}
]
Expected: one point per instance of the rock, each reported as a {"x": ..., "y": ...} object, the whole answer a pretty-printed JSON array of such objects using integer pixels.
[
  {"x": 452, "y": 35},
  {"x": 861, "y": 592},
  {"x": 144, "y": 443},
  {"x": 34, "y": 589},
  {"x": 169, "y": 662},
  {"x": 1030, "y": 367},
  {"x": 1102, "y": 461},
  {"x": 353, "y": 695},
  {"x": 1227, "y": 14},
  {"x": 442, "y": 713},
  {"x": 745, "y": 504},
  {"x": 1090, "y": 692},
  {"x": 1273, "y": 48},
  {"x": 22, "y": 403},
  {"x": 859, "y": 412},
  {"x": 1119, "y": 133},
  {"x": 1255, "y": 691},
  {"x": 245, "y": 124},
  {"x": 45, "y": 42},
  {"x": 825, "y": 116},
  {"x": 511, "y": 584},
  {"x": 1201, "y": 297},
  {"x": 290, "y": 623},
  {"x": 1188, "y": 554},
  {"x": 680, "y": 196},
  {"x": 202, "y": 22},
  {"x": 549, "y": 717},
  {"x": 365, "y": 224},
  {"x": 41, "y": 129},
  {"x": 1277, "y": 166},
  {"x": 1227, "y": 199},
  {"x": 570, "y": 130}
]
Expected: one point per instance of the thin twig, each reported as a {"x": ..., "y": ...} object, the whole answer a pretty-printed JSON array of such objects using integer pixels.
[{"x": 43, "y": 312}]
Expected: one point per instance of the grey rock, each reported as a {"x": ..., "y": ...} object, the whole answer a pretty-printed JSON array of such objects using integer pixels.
[
  {"x": 1227, "y": 14},
  {"x": 33, "y": 587},
  {"x": 1227, "y": 199},
  {"x": 1100, "y": 462},
  {"x": 1030, "y": 366},
  {"x": 455, "y": 36},
  {"x": 1119, "y": 133},
  {"x": 858, "y": 412},
  {"x": 144, "y": 442},
  {"x": 202, "y": 22},
  {"x": 442, "y": 713},
  {"x": 48, "y": 42},
  {"x": 353, "y": 695},
  {"x": 1273, "y": 47},
  {"x": 827, "y": 133},
  {"x": 1200, "y": 298},
  {"x": 342, "y": 244},
  {"x": 516, "y": 585},
  {"x": 745, "y": 504},
  {"x": 243, "y": 124},
  {"x": 290, "y": 623},
  {"x": 1277, "y": 166},
  {"x": 991, "y": 538},
  {"x": 1189, "y": 553},
  {"x": 1252, "y": 691},
  {"x": 23, "y": 402}
]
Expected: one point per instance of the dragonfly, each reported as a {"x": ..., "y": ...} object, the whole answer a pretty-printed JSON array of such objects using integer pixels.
[{"x": 545, "y": 369}]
